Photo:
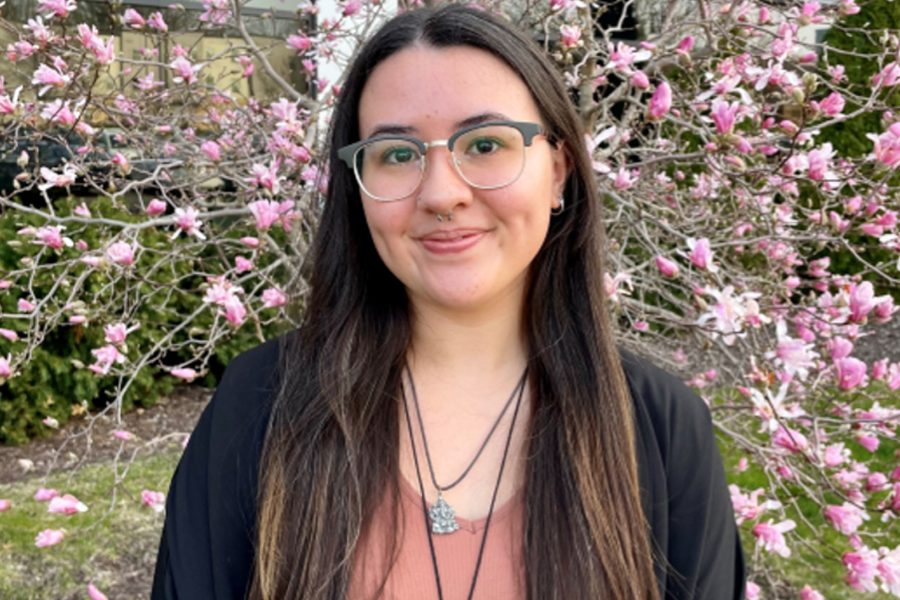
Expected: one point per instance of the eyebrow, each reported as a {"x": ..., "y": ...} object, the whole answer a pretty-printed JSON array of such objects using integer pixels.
[{"x": 394, "y": 129}]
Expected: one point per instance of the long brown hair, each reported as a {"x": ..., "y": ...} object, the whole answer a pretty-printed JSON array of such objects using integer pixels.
[{"x": 331, "y": 449}]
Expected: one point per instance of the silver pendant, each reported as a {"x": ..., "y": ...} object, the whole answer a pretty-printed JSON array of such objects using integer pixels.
[{"x": 442, "y": 516}]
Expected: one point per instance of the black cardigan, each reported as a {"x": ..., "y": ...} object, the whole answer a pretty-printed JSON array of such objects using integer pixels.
[{"x": 207, "y": 545}]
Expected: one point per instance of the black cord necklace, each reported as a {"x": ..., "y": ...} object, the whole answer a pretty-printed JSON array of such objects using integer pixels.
[
  {"x": 443, "y": 515},
  {"x": 487, "y": 524}
]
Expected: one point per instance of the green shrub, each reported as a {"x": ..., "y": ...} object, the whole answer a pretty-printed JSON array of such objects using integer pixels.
[{"x": 54, "y": 381}]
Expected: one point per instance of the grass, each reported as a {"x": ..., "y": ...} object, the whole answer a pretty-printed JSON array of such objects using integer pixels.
[
  {"x": 114, "y": 551},
  {"x": 117, "y": 551},
  {"x": 818, "y": 565}
]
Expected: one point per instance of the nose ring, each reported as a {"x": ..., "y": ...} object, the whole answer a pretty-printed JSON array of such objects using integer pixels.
[{"x": 440, "y": 217}]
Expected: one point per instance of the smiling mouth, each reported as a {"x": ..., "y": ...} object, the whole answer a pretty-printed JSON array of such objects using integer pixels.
[{"x": 451, "y": 242}]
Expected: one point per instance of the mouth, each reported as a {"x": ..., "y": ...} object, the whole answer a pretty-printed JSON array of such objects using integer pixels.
[{"x": 452, "y": 241}]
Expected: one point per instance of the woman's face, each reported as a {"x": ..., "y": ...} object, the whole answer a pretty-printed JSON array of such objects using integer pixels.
[{"x": 481, "y": 257}]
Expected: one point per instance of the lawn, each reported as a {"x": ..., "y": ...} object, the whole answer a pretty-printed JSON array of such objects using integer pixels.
[{"x": 115, "y": 550}]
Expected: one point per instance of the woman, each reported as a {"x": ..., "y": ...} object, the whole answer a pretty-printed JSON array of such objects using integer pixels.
[{"x": 453, "y": 419}]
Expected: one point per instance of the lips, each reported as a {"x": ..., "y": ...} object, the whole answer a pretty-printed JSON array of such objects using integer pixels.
[{"x": 451, "y": 241}]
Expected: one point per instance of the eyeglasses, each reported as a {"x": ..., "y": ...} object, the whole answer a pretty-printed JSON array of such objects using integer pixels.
[{"x": 487, "y": 156}]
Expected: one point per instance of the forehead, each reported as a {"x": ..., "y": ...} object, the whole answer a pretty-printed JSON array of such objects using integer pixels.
[{"x": 430, "y": 89}]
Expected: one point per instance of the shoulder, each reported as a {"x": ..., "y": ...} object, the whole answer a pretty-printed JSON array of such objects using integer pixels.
[
  {"x": 665, "y": 407},
  {"x": 249, "y": 385}
]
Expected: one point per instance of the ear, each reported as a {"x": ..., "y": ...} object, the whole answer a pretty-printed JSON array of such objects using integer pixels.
[{"x": 561, "y": 170}]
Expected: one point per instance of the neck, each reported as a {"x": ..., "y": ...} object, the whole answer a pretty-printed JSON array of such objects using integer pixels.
[{"x": 468, "y": 347}]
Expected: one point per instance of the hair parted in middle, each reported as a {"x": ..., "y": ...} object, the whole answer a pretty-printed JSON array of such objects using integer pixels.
[{"x": 331, "y": 450}]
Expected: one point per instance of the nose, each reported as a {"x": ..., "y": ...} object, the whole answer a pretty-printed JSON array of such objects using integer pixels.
[{"x": 442, "y": 189}]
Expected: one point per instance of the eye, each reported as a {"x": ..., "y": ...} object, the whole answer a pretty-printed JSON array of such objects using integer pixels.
[
  {"x": 484, "y": 145},
  {"x": 399, "y": 155}
]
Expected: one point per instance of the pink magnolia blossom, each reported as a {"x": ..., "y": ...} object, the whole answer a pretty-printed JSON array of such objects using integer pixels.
[
  {"x": 771, "y": 537},
  {"x": 685, "y": 45},
  {"x": 5, "y": 505},
  {"x": 840, "y": 348},
  {"x": 622, "y": 56},
  {"x": 640, "y": 81},
  {"x": 96, "y": 594},
  {"x": 300, "y": 42},
  {"x": 59, "y": 111},
  {"x": 850, "y": 372},
  {"x": 351, "y": 7},
  {"x": 848, "y": 7},
  {"x": 50, "y": 422},
  {"x": 832, "y": 105},
  {"x": 48, "y": 537},
  {"x": 57, "y": 8},
  {"x": 217, "y": 12},
  {"x": 211, "y": 150},
  {"x": 748, "y": 507},
  {"x": 117, "y": 332},
  {"x": 133, "y": 19},
  {"x": 790, "y": 439},
  {"x": 862, "y": 301},
  {"x": 752, "y": 592},
  {"x": 5, "y": 369},
  {"x": 247, "y": 63},
  {"x": 862, "y": 568},
  {"x": 242, "y": 264},
  {"x": 83, "y": 211},
  {"x": 868, "y": 441},
  {"x": 888, "y": 76},
  {"x": 847, "y": 518},
  {"x": 156, "y": 207},
  {"x": 668, "y": 268},
  {"x": 701, "y": 254},
  {"x": 269, "y": 212},
  {"x": 154, "y": 500},
  {"x": 569, "y": 35},
  {"x": 43, "y": 494},
  {"x": 123, "y": 165},
  {"x": 250, "y": 241},
  {"x": 879, "y": 369},
  {"x": 49, "y": 77},
  {"x": 184, "y": 373},
  {"x": 121, "y": 253},
  {"x": 808, "y": 593},
  {"x": 819, "y": 267},
  {"x": 24, "y": 305},
  {"x": 623, "y": 180},
  {"x": 273, "y": 298},
  {"x": 724, "y": 115},
  {"x": 156, "y": 22},
  {"x": 186, "y": 220},
  {"x": 185, "y": 71},
  {"x": 234, "y": 311},
  {"x": 51, "y": 236},
  {"x": 836, "y": 455},
  {"x": 267, "y": 177},
  {"x": 9, "y": 334},
  {"x": 819, "y": 162},
  {"x": 53, "y": 179},
  {"x": 887, "y": 145},
  {"x": 66, "y": 505},
  {"x": 125, "y": 436},
  {"x": 661, "y": 102},
  {"x": 877, "y": 482},
  {"x": 106, "y": 357}
]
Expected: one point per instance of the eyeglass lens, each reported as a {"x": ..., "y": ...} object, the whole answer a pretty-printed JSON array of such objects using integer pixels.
[{"x": 487, "y": 157}]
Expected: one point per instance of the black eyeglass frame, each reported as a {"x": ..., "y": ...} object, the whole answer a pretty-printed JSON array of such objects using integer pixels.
[{"x": 529, "y": 131}]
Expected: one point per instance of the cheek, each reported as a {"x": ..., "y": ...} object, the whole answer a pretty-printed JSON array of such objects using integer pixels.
[{"x": 386, "y": 225}]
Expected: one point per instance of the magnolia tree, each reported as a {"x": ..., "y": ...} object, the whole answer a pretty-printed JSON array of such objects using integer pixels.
[{"x": 724, "y": 214}]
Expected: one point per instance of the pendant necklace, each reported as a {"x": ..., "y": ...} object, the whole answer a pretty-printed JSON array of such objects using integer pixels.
[
  {"x": 443, "y": 516},
  {"x": 437, "y": 576}
]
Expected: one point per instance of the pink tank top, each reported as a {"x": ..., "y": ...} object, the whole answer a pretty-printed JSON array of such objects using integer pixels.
[{"x": 501, "y": 576}]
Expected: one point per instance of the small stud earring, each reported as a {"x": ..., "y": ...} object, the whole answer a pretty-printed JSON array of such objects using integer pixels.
[{"x": 558, "y": 210}]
